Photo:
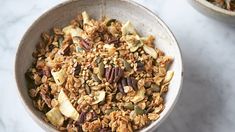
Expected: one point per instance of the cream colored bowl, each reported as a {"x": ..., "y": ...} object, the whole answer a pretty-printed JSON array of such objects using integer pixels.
[
  {"x": 214, "y": 11},
  {"x": 144, "y": 20}
]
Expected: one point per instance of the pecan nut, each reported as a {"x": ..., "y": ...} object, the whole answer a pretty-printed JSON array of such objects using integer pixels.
[
  {"x": 118, "y": 74},
  {"x": 85, "y": 44},
  {"x": 65, "y": 49},
  {"x": 111, "y": 77},
  {"x": 129, "y": 81},
  {"x": 120, "y": 88}
]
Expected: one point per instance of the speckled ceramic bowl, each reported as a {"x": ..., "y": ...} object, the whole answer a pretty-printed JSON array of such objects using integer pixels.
[
  {"x": 144, "y": 20},
  {"x": 214, "y": 11}
]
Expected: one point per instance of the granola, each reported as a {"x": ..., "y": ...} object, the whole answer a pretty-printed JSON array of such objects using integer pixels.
[
  {"x": 98, "y": 75},
  {"x": 225, "y": 4}
]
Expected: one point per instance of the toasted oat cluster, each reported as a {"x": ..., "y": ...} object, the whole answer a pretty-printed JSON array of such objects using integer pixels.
[
  {"x": 225, "y": 4},
  {"x": 98, "y": 75}
]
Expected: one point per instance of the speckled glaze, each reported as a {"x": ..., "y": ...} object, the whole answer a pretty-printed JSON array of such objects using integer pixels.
[
  {"x": 213, "y": 11},
  {"x": 145, "y": 21}
]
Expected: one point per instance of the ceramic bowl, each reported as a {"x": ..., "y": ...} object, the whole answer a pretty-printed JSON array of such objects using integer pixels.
[
  {"x": 214, "y": 11},
  {"x": 144, "y": 20}
]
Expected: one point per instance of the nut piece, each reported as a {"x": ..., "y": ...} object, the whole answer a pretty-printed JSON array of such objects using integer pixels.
[
  {"x": 65, "y": 49},
  {"x": 150, "y": 51},
  {"x": 140, "y": 94},
  {"x": 168, "y": 77},
  {"x": 120, "y": 88},
  {"x": 111, "y": 77},
  {"x": 140, "y": 66},
  {"x": 134, "y": 83},
  {"x": 77, "y": 69},
  {"x": 99, "y": 97},
  {"x": 118, "y": 74},
  {"x": 108, "y": 72},
  {"x": 101, "y": 70},
  {"x": 85, "y": 44}
]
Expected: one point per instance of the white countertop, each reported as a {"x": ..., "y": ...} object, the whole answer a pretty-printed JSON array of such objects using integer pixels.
[{"x": 208, "y": 95}]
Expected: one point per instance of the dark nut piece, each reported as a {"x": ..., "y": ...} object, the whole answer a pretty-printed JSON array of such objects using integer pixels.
[
  {"x": 134, "y": 83},
  {"x": 107, "y": 73},
  {"x": 46, "y": 98},
  {"x": 120, "y": 88},
  {"x": 77, "y": 69},
  {"x": 81, "y": 119},
  {"x": 85, "y": 44},
  {"x": 129, "y": 81},
  {"x": 124, "y": 83},
  {"x": 65, "y": 49},
  {"x": 118, "y": 74},
  {"x": 140, "y": 66},
  {"x": 111, "y": 78}
]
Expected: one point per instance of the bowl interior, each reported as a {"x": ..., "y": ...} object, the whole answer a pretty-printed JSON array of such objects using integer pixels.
[{"x": 145, "y": 22}]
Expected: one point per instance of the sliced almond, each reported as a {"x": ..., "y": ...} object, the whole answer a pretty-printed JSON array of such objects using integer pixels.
[
  {"x": 150, "y": 51},
  {"x": 98, "y": 97},
  {"x": 168, "y": 77},
  {"x": 128, "y": 28}
]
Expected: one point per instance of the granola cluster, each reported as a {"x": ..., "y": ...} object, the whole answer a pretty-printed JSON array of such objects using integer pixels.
[
  {"x": 225, "y": 4},
  {"x": 98, "y": 75}
]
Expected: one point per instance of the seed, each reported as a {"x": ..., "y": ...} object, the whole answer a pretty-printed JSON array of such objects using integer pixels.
[
  {"x": 101, "y": 70},
  {"x": 110, "y": 22},
  {"x": 95, "y": 78},
  {"x": 155, "y": 88},
  {"x": 140, "y": 66},
  {"x": 87, "y": 88},
  {"x": 98, "y": 60},
  {"x": 138, "y": 110},
  {"x": 129, "y": 106},
  {"x": 147, "y": 84},
  {"x": 127, "y": 65}
]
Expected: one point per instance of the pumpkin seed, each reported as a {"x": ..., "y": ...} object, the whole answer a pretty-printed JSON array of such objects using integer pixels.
[
  {"x": 147, "y": 84},
  {"x": 138, "y": 110},
  {"x": 155, "y": 88},
  {"x": 87, "y": 88},
  {"x": 127, "y": 65},
  {"x": 98, "y": 60},
  {"x": 95, "y": 78},
  {"x": 101, "y": 70},
  {"x": 129, "y": 106},
  {"x": 110, "y": 22}
]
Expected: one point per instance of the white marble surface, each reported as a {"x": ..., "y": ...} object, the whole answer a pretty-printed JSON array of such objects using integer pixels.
[{"x": 207, "y": 100}]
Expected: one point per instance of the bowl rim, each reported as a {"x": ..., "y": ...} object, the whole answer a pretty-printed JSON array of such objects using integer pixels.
[
  {"x": 47, "y": 126},
  {"x": 215, "y": 8}
]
